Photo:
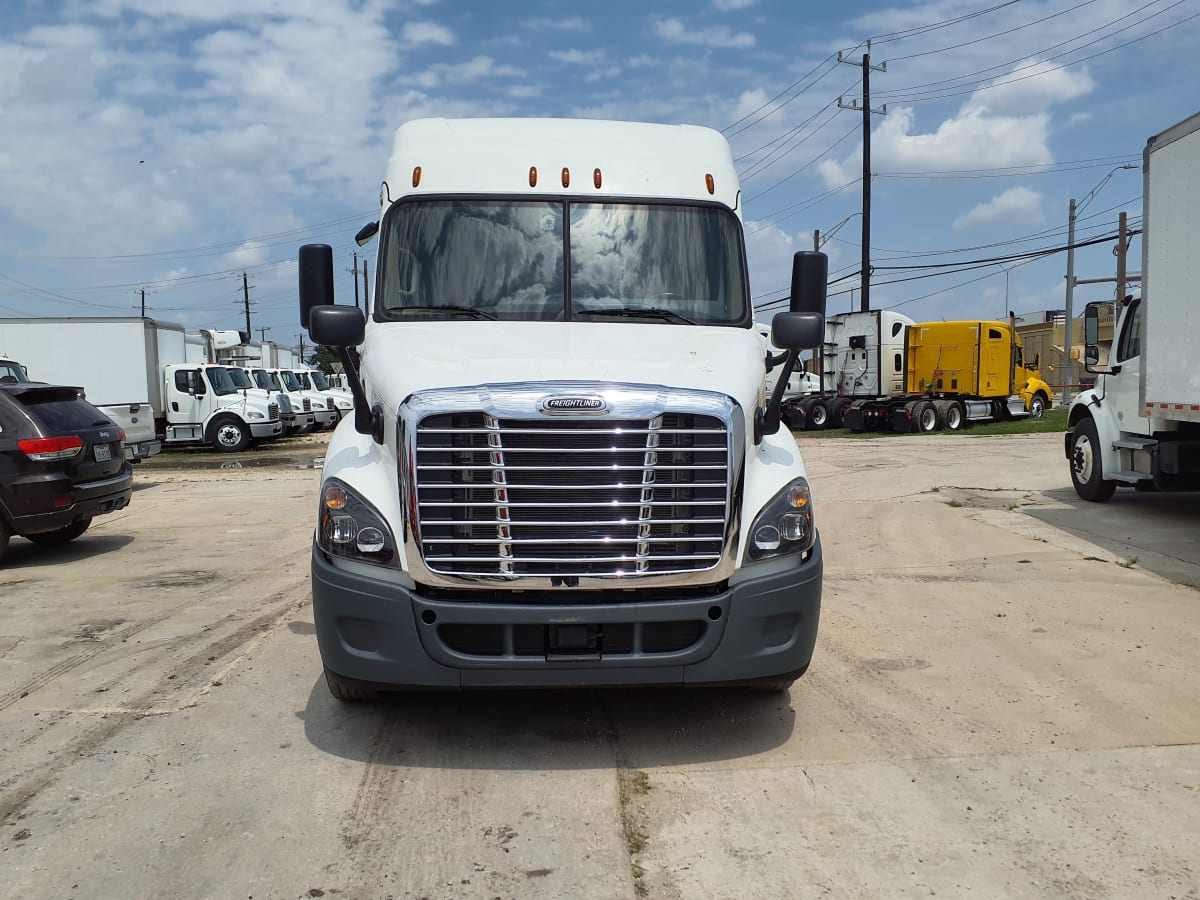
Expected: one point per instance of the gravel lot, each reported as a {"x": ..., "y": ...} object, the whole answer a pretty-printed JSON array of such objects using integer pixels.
[{"x": 1002, "y": 703}]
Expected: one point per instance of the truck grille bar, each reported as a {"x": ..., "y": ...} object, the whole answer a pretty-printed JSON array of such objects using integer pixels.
[{"x": 570, "y": 498}]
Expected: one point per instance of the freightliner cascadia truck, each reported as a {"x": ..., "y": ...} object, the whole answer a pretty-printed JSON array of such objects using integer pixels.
[{"x": 563, "y": 468}]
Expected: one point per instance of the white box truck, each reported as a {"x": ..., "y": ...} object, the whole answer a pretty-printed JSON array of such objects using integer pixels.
[
  {"x": 136, "y": 371},
  {"x": 1140, "y": 425},
  {"x": 562, "y": 468}
]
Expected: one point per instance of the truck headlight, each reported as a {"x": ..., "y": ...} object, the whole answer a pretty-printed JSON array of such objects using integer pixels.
[
  {"x": 785, "y": 525},
  {"x": 349, "y": 527},
  {"x": 317, "y": 404},
  {"x": 256, "y": 415},
  {"x": 342, "y": 404}
]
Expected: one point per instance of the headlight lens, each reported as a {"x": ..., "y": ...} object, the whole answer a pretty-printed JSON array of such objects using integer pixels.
[
  {"x": 349, "y": 527},
  {"x": 785, "y": 525},
  {"x": 256, "y": 415}
]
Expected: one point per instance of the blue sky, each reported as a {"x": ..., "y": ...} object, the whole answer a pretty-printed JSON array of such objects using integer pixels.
[{"x": 173, "y": 144}]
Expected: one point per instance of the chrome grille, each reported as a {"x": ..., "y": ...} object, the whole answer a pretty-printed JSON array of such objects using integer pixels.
[
  {"x": 272, "y": 411},
  {"x": 307, "y": 405},
  {"x": 569, "y": 498}
]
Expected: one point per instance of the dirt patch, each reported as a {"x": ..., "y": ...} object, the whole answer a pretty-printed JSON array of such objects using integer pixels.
[{"x": 182, "y": 578}]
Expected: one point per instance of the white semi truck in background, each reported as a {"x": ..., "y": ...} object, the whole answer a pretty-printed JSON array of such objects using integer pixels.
[
  {"x": 136, "y": 371},
  {"x": 560, "y": 469},
  {"x": 1140, "y": 425}
]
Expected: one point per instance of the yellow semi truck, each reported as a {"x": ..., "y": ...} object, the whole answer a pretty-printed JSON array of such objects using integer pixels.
[{"x": 956, "y": 373}]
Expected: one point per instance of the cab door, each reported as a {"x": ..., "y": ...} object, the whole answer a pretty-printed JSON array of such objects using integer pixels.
[
  {"x": 995, "y": 362},
  {"x": 187, "y": 397},
  {"x": 1123, "y": 389}
]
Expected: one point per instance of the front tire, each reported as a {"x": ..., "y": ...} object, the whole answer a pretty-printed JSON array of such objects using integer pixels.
[
  {"x": 60, "y": 535},
  {"x": 1087, "y": 465},
  {"x": 348, "y": 691},
  {"x": 1037, "y": 406},
  {"x": 5, "y": 534},
  {"x": 229, "y": 434}
]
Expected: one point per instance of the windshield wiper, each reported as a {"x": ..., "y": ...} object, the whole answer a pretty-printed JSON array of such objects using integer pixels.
[
  {"x": 636, "y": 312},
  {"x": 461, "y": 310}
]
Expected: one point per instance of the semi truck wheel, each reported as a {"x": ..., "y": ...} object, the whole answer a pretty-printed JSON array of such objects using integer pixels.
[
  {"x": 1037, "y": 406},
  {"x": 818, "y": 416},
  {"x": 956, "y": 416},
  {"x": 229, "y": 434},
  {"x": 925, "y": 417},
  {"x": 60, "y": 535},
  {"x": 1086, "y": 467},
  {"x": 837, "y": 412}
]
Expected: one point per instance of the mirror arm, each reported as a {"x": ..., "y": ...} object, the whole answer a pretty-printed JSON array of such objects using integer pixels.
[
  {"x": 770, "y": 416},
  {"x": 367, "y": 420}
]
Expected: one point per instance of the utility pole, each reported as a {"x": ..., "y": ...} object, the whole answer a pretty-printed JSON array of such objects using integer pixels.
[
  {"x": 865, "y": 108},
  {"x": 355, "y": 272},
  {"x": 816, "y": 239},
  {"x": 301, "y": 336},
  {"x": 1122, "y": 247},
  {"x": 246, "y": 300},
  {"x": 143, "y": 303},
  {"x": 262, "y": 332}
]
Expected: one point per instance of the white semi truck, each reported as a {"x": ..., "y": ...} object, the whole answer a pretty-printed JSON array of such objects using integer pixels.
[
  {"x": 561, "y": 469},
  {"x": 136, "y": 371},
  {"x": 1140, "y": 425}
]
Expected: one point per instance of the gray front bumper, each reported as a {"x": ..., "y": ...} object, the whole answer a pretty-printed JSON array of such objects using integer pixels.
[
  {"x": 376, "y": 631},
  {"x": 260, "y": 430}
]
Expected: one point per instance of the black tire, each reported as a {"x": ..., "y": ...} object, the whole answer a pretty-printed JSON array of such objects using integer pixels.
[
  {"x": 348, "y": 691},
  {"x": 60, "y": 535},
  {"x": 1084, "y": 457},
  {"x": 229, "y": 434},
  {"x": 5, "y": 534},
  {"x": 837, "y": 412},
  {"x": 818, "y": 416},
  {"x": 1037, "y": 405},
  {"x": 955, "y": 416},
  {"x": 925, "y": 417}
]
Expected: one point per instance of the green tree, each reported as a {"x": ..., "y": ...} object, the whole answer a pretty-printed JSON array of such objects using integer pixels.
[{"x": 324, "y": 360}]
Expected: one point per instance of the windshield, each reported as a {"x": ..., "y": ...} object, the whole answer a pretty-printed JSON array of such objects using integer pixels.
[
  {"x": 319, "y": 380},
  {"x": 302, "y": 377},
  {"x": 289, "y": 381},
  {"x": 264, "y": 380},
  {"x": 502, "y": 259},
  {"x": 221, "y": 382},
  {"x": 11, "y": 372},
  {"x": 239, "y": 379}
]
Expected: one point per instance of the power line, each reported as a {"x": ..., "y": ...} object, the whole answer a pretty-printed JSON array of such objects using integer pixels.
[
  {"x": 816, "y": 158},
  {"x": 992, "y": 36},
  {"x": 946, "y": 23}
]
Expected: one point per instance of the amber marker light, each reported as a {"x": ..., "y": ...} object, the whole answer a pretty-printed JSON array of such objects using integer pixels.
[
  {"x": 533, "y": 176},
  {"x": 335, "y": 497},
  {"x": 596, "y": 179},
  {"x": 710, "y": 184},
  {"x": 566, "y": 177},
  {"x": 416, "y": 176}
]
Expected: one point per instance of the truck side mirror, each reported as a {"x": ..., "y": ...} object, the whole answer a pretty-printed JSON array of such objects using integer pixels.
[
  {"x": 1091, "y": 336},
  {"x": 196, "y": 384},
  {"x": 336, "y": 326},
  {"x": 798, "y": 330},
  {"x": 810, "y": 274},
  {"x": 316, "y": 280}
]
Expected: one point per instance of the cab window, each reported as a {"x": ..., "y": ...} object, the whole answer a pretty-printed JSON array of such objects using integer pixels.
[{"x": 1131, "y": 336}]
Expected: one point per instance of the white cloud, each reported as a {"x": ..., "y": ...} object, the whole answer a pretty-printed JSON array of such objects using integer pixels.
[
  {"x": 427, "y": 33},
  {"x": 1032, "y": 85},
  {"x": 731, "y": 5},
  {"x": 249, "y": 254},
  {"x": 573, "y": 23},
  {"x": 463, "y": 73},
  {"x": 673, "y": 31},
  {"x": 578, "y": 57},
  {"x": 1016, "y": 206}
]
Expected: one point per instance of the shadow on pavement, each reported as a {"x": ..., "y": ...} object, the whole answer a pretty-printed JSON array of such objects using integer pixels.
[
  {"x": 23, "y": 554},
  {"x": 1159, "y": 532},
  {"x": 551, "y": 729}
]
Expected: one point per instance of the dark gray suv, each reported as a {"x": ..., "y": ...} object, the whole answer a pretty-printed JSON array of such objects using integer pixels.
[{"x": 61, "y": 464}]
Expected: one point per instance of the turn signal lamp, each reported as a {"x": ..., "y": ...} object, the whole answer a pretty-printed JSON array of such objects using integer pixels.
[
  {"x": 335, "y": 497},
  {"x": 566, "y": 177},
  {"x": 533, "y": 176},
  {"x": 596, "y": 179},
  {"x": 710, "y": 183},
  {"x": 416, "y": 176}
]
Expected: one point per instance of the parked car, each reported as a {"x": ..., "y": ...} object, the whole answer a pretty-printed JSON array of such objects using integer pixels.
[{"x": 61, "y": 464}]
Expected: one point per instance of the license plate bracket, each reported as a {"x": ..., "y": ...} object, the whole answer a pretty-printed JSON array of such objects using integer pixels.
[{"x": 103, "y": 452}]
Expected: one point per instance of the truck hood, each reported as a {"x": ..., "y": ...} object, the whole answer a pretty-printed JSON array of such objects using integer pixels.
[{"x": 401, "y": 358}]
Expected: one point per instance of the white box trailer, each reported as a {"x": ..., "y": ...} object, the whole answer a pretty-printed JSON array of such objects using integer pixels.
[
  {"x": 1140, "y": 425},
  {"x": 106, "y": 357},
  {"x": 138, "y": 372}
]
